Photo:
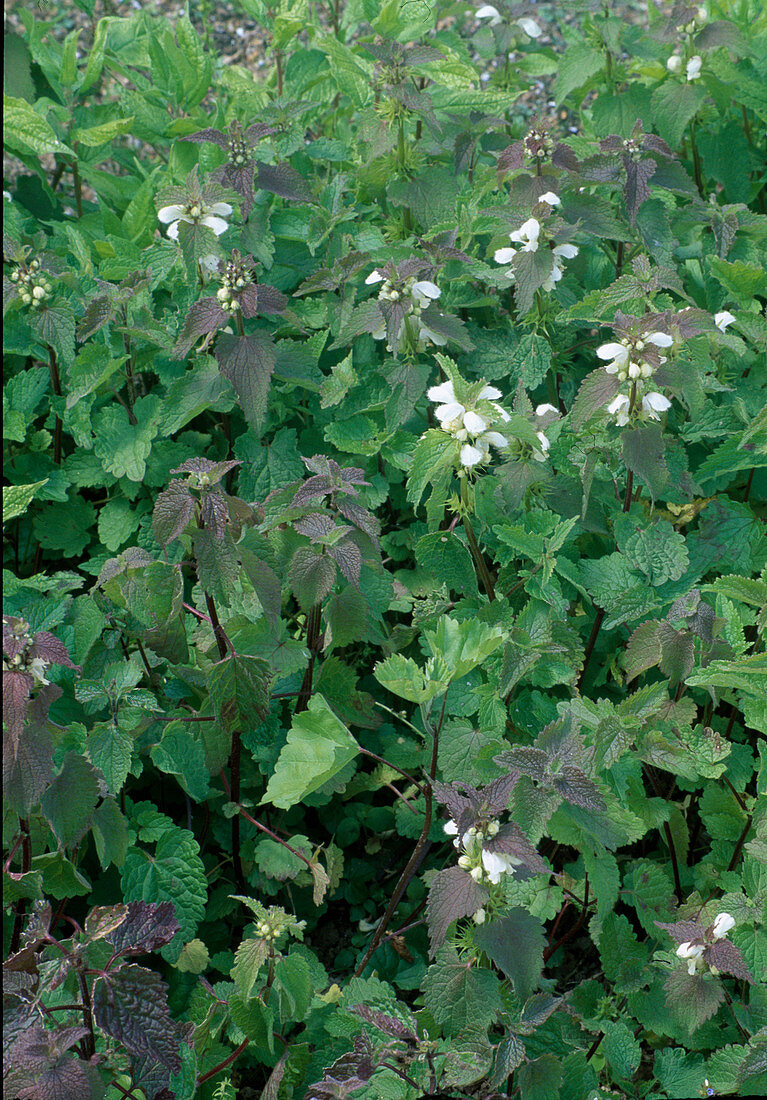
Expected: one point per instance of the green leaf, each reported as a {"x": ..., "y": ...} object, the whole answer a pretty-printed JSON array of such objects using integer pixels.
[
  {"x": 93, "y": 136},
  {"x": 673, "y": 104},
  {"x": 644, "y": 455},
  {"x": 110, "y": 749},
  {"x": 312, "y": 574},
  {"x": 250, "y": 957},
  {"x": 621, "y": 1050},
  {"x": 293, "y": 985},
  {"x": 110, "y": 833},
  {"x": 515, "y": 944},
  {"x": 28, "y": 132},
  {"x": 71, "y": 798},
  {"x": 194, "y": 958},
  {"x": 403, "y": 677},
  {"x": 61, "y": 879},
  {"x": 318, "y": 747},
  {"x": 17, "y": 498},
  {"x": 124, "y": 447},
  {"x": 461, "y": 646},
  {"x": 579, "y": 63},
  {"x": 743, "y": 280},
  {"x": 434, "y": 457},
  {"x": 174, "y": 873},
  {"x": 461, "y": 996},
  {"x": 442, "y": 554},
  {"x": 658, "y": 551},
  {"x": 692, "y": 999},
  {"x": 181, "y": 754}
]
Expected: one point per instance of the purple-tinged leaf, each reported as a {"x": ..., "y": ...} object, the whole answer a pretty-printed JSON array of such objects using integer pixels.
[
  {"x": 148, "y": 925},
  {"x": 390, "y": 1025},
  {"x": 348, "y": 1073},
  {"x": 564, "y": 157},
  {"x": 257, "y": 131},
  {"x": 283, "y": 180},
  {"x": 98, "y": 312},
  {"x": 49, "y": 647},
  {"x": 104, "y": 919},
  {"x": 214, "y": 471},
  {"x": 205, "y": 315},
  {"x": 173, "y": 510},
  {"x": 314, "y": 488},
  {"x": 525, "y": 760},
  {"x": 361, "y": 518},
  {"x": 349, "y": 559},
  {"x": 71, "y": 799},
  {"x": 682, "y": 931},
  {"x": 214, "y": 512},
  {"x": 453, "y": 894},
  {"x": 316, "y": 526},
  {"x": 597, "y": 390},
  {"x": 576, "y": 787},
  {"x": 17, "y": 687},
  {"x": 27, "y": 757},
  {"x": 496, "y": 795},
  {"x": 216, "y": 137},
  {"x": 677, "y": 652},
  {"x": 512, "y": 157},
  {"x": 270, "y": 300},
  {"x": 266, "y": 584},
  {"x": 728, "y": 958},
  {"x": 311, "y": 575},
  {"x": 457, "y": 803},
  {"x": 247, "y": 362},
  {"x": 511, "y": 841},
  {"x": 40, "y": 1068},
  {"x": 131, "y": 1005},
  {"x": 636, "y": 190}
]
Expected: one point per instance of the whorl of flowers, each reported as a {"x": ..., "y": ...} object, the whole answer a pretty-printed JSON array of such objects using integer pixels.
[
  {"x": 235, "y": 277},
  {"x": 32, "y": 286},
  {"x": 531, "y": 236},
  {"x": 525, "y": 23},
  {"x": 634, "y": 358},
  {"x": 406, "y": 300},
  {"x": 194, "y": 205},
  {"x": 693, "y": 951},
  {"x": 484, "y": 866},
  {"x": 471, "y": 422}
]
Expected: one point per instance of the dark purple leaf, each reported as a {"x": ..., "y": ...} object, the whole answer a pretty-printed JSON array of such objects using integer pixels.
[
  {"x": 98, "y": 313},
  {"x": 682, "y": 931},
  {"x": 390, "y": 1025},
  {"x": 512, "y": 157},
  {"x": 148, "y": 925},
  {"x": 564, "y": 157},
  {"x": 16, "y": 690},
  {"x": 314, "y": 488},
  {"x": 213, "y": 470},
  {"x": 27, "y": 763},
  {"x": 453, "y": 894},
  {"x": 457, "y": 803},
  {"x": 525, "y": 760},
  {"x": 271, "y": 300},
  {"x": 636, "y": 190},
  {"x": 360, "y": 517},
  {"x": 247, "y": 362},
  {"x": 173, "y": 510},
  {"x": 311, "y": 575},
  {"x": 131, "y": 1005},
  {"x": 49, "y": 647},
  {"x": 209, "y": 134},
  {"x": 214, "y": 512},
  {"x": 348, "y": 1073},
  {"x": 316, "y": 526},
  {"x": 496, "y": 795},
  {"x": 257, "y": 131}
]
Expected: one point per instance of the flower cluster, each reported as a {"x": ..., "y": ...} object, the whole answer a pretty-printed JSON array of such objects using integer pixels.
[
  {"x": 692, "y": 951},
  {"x": 273, "y": 922},
  {"x": 528, "y": 239},
  {"x": 471, "y": 424},
  {"x": 634, "y": 359},
  {"x": 483, "y": 865},
  {"x": 412, "y": 297},
  {"x": 235, "y": 277},
  {"x": 692, "y": 68},
  {"x": 19, "y": 655},
  {"x": 32, "y": 286}
]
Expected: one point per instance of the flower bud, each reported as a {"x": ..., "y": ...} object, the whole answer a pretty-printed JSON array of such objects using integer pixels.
[{"x": 674, "y": 63}]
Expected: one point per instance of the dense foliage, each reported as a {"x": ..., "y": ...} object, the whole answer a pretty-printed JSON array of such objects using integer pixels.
[{"x": 384, "y": 676}]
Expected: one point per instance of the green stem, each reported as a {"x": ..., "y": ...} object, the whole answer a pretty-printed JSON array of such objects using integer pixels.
[
  {"x": 53, "y": 369},
  {"x": 78, "y": 186},
  {"x": 481, "y": 565},
  {"x": 696, "y": 163},
  {"x": 313, "y": 641},
  {"x": 239, "y": 324}
]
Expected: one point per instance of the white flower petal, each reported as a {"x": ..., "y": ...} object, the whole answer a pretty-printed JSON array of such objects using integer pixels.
[
  {"x": 504, "y": 255},
  {"x": 567, "y": 251},
  {"x": 170, "y": 213},
  {"x": 618, "y": 403},
  {"x": 375, "y": 276},
  {"x": 218, "y": 225},
  {"x": 427, "y": 289},
  {"x": 722, "y": 925},
  {"x": 551, "y": 199},
  {"x": 452, "y": 411},
  {"x": 723, "y": 319},
  {"x": 613, "y": 351},
  {"x": 660, "y": 339},
  {"x": 487, "y": 11},
  {"x": 497, "y": 440},
  {"x": 541, "y": 410},
  {"x": 689, "y": 950},
  {"x": 172, "y": 229},
  {"x": 694, "y": 67},
  {"x": 474, "y": 423},
  {"x": 443, "y": 392},
  {"x": 674, "y": 63},
  {"x": 654, "y": 403},
  {"x": 437, "y": 338},
  {"x": 489, "y": 393},
  {"x": 470, "y": 456},
  {"x": 530, "y": 27},
  {"x": 451, "y": 828},
  {"x": 222, "y": 209}
]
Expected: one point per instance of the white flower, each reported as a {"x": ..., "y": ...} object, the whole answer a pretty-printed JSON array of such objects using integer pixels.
[
  {"x": 722, "y": 925},
  {"x": 693, "y": 953},
  {"x": 487, "y": 11},
  {"x": 7, "y": 196},
  {"x": 527, "y": 235},
  {"x": 540, "y": 456},
  {"x": 674, "y": 63},
  {"x": 471, "y": 455},
  {"x": 474, "y": 423},
  {"x": 551, "y": 199},
  {"x": 619, "y": 354},
  {"x": 37, "y": 667},
  {"x": 443, "y": 392},
  {"x": 693, "y": 67},
  {"x": 530, "y": 27},
  {"x": 723, "y": 319},
  {"x": 654, "y": 403},
  {"x": 479, "y": 916},
  {"x": 619, "y": 408},
  {"x": 450, "y": 827},
  {"x": 195, "y": 213},
  {"x": 561, "y": 252},
  {"x": 497, "y": 864},
  {"x": 375, "y": 276},
  {"x": 541, "y": 410},
  {"x": 660, "y": 339},
  {"x": 209, "y": 264}
]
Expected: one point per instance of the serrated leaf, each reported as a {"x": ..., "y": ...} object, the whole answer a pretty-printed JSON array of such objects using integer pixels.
[
  {"x": 453, "y": 894},
  {"x": 247, "y": 362},
  {"x": 131, "y": 1005},
  {"x": 692, "y": 999},
  {"x": 312, "y": 574},
  {"x": 17, "y": 498},
  {"x": 71, "y": 798},
  {"x": 515, "y": 944},
  {"x": 27, "y": 131},
  {"x": 460, "y": 996},
  {"x": 318, "y": 747},
  {"x": 597, "y": 390}
]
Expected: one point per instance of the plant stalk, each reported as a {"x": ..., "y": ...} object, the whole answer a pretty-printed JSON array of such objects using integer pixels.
[{"x": 53, "y": 368}]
